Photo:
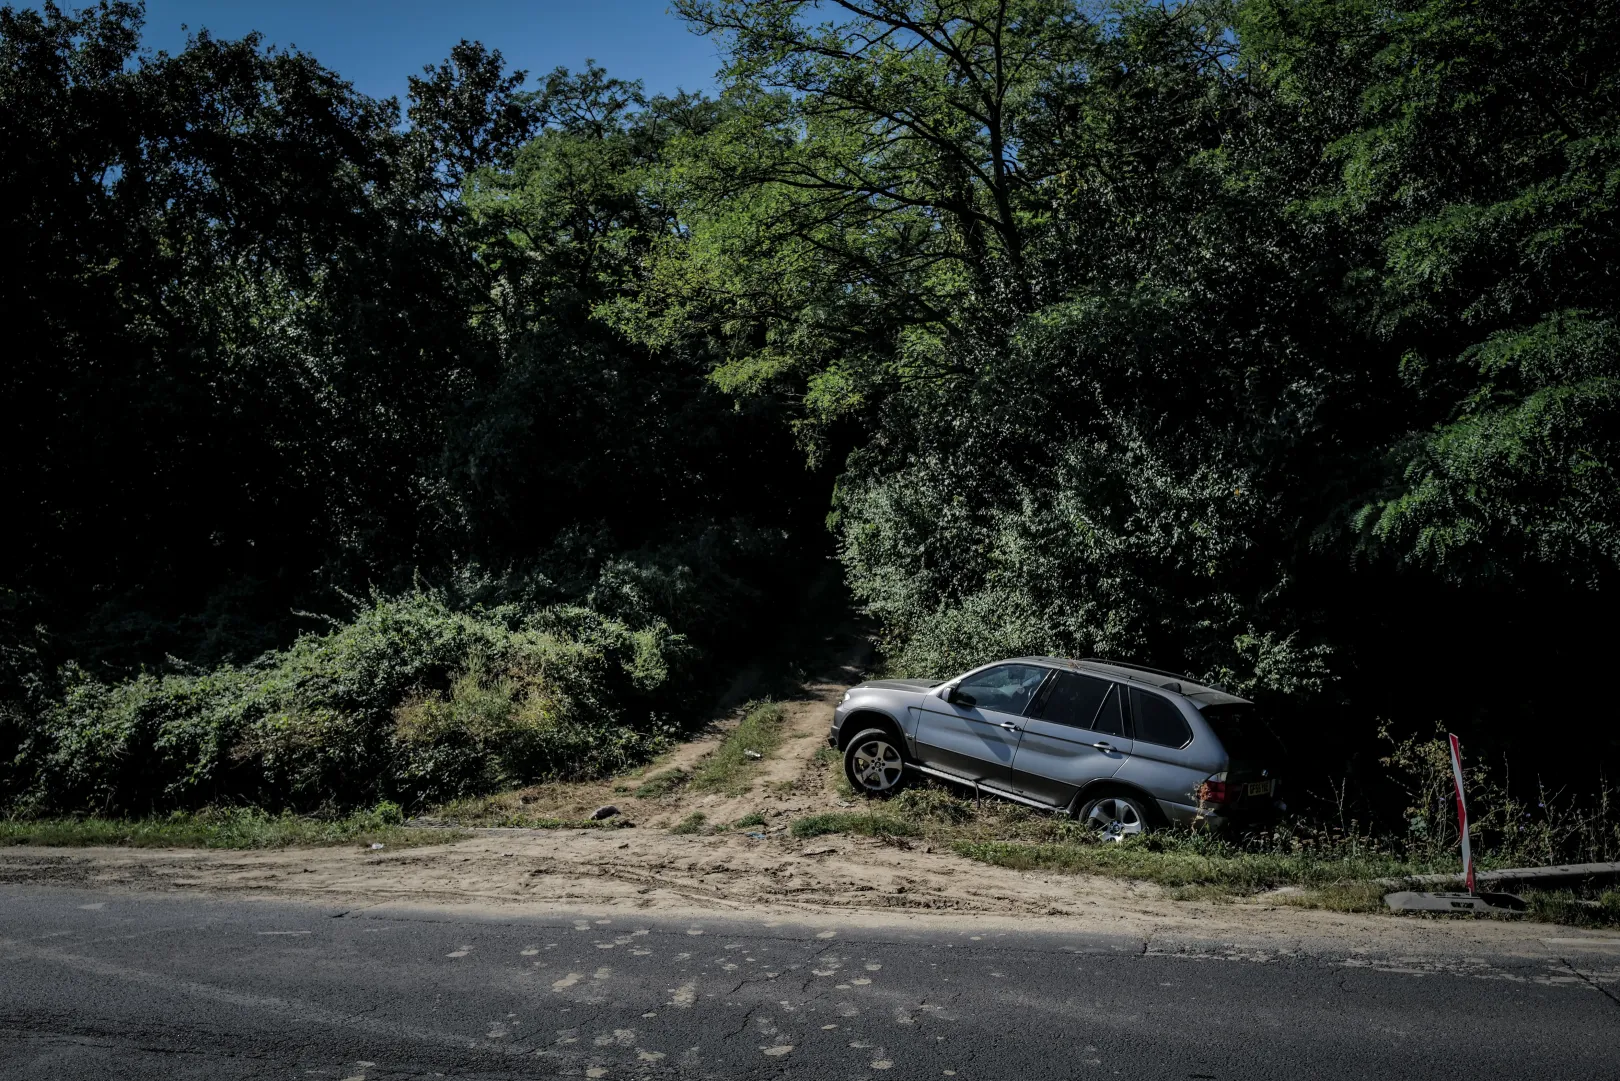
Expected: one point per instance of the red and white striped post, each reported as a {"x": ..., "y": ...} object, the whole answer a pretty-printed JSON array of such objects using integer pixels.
[{"x": 1462, "y": 813}]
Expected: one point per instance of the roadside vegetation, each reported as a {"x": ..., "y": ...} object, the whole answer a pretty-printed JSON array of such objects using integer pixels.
[
  {"x": 1300, "y": 862},
  {"x": 412, "y": 702},
  {"x": 228, "y": 828},
  {"x": 731, "y": 767},
  {"x": 426, "y": 449}
]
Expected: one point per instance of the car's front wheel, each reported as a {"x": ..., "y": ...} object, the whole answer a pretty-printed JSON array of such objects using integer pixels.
[
  {"x": 1114, "y": 818},
  {"x": 873, "y": 763}
]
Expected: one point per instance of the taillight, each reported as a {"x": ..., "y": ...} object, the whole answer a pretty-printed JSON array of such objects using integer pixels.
[{"x": 1213, "y": 791}]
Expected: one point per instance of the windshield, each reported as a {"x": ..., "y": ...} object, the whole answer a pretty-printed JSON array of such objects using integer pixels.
[{"x": 1246, "y": 734}]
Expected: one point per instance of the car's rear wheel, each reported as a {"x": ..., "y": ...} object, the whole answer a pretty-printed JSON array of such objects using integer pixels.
[
  {"x": 1114, "y": 818},
  {"x": 873, "y": 763}
]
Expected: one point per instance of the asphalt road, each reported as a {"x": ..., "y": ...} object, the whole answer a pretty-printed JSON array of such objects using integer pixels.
[{"x": 109, "y": 986}]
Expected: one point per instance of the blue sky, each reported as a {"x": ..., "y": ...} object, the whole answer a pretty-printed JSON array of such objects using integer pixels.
[{"x": 377, "y": 44}]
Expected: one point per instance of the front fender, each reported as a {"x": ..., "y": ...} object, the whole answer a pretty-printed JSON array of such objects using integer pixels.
[{"x": 848, "y": 718}]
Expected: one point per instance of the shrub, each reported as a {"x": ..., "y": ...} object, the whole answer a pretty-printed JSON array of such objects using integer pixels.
[{"x": 409, "y": 702}]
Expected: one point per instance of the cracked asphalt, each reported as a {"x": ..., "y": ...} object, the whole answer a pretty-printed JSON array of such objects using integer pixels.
[{"x": 109, "y": 985}]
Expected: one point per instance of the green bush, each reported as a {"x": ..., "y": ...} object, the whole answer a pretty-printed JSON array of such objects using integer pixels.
[{"x": 410, "y": 702}]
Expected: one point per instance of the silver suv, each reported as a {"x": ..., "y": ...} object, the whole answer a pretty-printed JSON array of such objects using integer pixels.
[{"x": 1120, "y": 747}]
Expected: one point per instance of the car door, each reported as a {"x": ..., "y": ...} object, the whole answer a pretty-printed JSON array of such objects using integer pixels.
[
  {"x": 1075, "y": 734},
  {"x": 976, "y": 735}
]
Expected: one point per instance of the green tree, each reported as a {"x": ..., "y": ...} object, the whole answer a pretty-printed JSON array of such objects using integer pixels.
[{"x": 236, "y": 321}]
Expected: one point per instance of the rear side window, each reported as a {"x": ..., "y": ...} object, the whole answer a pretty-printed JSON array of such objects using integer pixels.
[
  {"x": 1248, "y": 737},
  {"x": 1073, "y": 700},
  {"x": 1158, "y": 720}
]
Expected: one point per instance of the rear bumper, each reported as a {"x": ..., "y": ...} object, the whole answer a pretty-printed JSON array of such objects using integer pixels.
[
  {"x": 1244, "y": 816},
  {"x": 1179, "y": 814}
]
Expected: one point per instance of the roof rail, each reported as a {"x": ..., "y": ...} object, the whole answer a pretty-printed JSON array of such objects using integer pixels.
[{"x": 1140, "y": 668}]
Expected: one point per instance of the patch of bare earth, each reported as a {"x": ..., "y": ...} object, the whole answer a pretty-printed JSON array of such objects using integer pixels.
[{"x": 763, "y": 872}]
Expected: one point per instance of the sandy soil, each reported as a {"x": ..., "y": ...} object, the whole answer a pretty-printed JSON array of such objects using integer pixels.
[{"x": 834, "y": 879}]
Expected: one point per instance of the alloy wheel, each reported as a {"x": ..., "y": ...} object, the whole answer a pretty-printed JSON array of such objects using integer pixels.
[
  {"x": 877, "y": 766},
  {"x": 1114, "y": 818}
]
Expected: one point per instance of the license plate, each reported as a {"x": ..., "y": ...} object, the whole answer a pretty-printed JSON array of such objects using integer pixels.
[{"x": 1259, "y": 788}]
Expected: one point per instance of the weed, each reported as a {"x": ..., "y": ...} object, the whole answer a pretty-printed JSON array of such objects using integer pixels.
[
  {"x": 933, "y": 803},
  {"x": 692, "y": 823},
  {"x": 1563, "y": 906},
  {"x": 730, "y": 767},
  {"x": 870, "y": 825},
  {"x": 662, "y": 784},
  {"x": 233, "y": 827},
  {"x": 1177, "y": 860},
  {"x": 1511, "y": 830},
  {"x": 517, "y": 820},
  {"x": 755, "y": 819},
  {"x": 1360, "y": 896}
]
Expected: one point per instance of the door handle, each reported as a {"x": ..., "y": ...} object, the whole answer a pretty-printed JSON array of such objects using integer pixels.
[
  {"x": 1009, "y": 726},
  {"x": 1104, "y": 746}
]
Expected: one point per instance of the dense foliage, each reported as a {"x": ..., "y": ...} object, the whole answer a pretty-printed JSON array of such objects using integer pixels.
[
  {"x": 1264, "y": 340},
  {"x": 357, "y": 715},
  {"x": 1271, "y": 340}
]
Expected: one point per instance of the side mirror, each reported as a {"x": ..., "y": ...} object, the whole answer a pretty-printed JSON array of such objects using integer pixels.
[{"x": 949, "y": 693}]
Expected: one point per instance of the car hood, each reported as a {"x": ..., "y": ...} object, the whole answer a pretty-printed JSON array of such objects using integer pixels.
[{"x": 896, "y": 685}]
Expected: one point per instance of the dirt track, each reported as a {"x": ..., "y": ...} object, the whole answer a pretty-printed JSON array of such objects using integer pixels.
[{"x": 842, "y": 878}]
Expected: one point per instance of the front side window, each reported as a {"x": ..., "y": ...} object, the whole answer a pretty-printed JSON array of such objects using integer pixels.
[
  {"x": 1006, "y": 688},
  {"x": 1073, "y": 700},
  {"x": 1157, "y": 720}
]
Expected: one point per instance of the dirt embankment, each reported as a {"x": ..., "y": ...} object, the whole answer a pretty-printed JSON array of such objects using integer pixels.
[{"x": 763, "y": 871}]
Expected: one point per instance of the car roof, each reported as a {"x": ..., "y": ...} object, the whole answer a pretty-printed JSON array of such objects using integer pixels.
[{"x": 1200, "y": 694}]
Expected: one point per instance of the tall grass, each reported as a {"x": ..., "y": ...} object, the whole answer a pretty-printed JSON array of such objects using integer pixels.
[{"x": 1506, "y": 829}]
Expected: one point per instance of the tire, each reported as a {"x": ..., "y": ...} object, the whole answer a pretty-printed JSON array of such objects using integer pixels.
[
  {"x": 874, "y": 763},
  {"x": 1114, "y": 817}
]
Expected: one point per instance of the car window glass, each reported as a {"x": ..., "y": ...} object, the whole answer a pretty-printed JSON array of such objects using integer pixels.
[
  {"x": 1073, "y": 700},
  {"x": 1158, "y": 720},
  {"x": 1006, "y": 688},
  {"x": 1110, "y": 720},
  {"x": 1245, "y": 734}
]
